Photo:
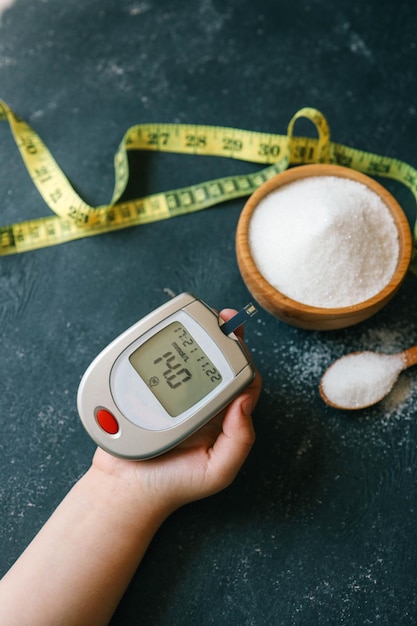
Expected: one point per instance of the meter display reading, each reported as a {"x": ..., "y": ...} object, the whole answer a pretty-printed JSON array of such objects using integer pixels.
[{"x": 175, "y": 368}]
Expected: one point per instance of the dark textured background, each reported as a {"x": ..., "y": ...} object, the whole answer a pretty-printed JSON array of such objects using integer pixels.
[{"x": 320, "y": 526}]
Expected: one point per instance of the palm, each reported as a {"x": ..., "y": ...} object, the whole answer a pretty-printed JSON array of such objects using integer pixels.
[{"x": 202, "y": 464}]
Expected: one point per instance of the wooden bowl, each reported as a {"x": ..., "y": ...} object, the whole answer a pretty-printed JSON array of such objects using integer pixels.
[{"x": 297, "y": 313}]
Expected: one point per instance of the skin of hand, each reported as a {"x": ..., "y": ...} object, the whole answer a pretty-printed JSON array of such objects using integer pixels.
[
  {"x": 203, "y": 464},
  {"x": 78, "y": 566}
]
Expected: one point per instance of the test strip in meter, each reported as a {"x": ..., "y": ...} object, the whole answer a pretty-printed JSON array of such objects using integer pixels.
[{"x": 163, "y": 379}]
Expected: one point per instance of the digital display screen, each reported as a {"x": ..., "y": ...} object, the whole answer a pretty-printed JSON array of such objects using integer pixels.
[{"x": 175, "y": 368}]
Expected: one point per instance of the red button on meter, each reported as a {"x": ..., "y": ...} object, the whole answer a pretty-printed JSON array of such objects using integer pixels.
[{"x": 107, "y": 421}]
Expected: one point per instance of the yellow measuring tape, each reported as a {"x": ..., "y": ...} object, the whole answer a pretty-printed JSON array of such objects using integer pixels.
[{"x": 73, "y": 218}]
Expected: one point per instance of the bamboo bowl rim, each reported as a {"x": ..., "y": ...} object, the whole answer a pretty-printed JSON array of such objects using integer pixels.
[{"x": 298, "y": 313}]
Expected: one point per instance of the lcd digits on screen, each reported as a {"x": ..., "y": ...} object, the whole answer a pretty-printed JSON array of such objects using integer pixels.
[{"x": 175, "y": 368}]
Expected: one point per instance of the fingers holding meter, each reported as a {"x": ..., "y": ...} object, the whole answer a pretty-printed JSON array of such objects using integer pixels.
[{"x": 163, "y": 378}]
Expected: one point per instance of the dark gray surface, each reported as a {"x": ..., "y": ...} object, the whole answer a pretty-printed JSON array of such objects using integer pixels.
[{"x": 320, "y": 526}]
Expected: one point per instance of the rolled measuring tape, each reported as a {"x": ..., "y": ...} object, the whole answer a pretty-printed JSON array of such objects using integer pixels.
[{"x": 73, "y": 218}]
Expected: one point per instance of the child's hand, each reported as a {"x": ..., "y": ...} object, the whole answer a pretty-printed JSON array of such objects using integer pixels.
[{"x": 203, "y": 464}]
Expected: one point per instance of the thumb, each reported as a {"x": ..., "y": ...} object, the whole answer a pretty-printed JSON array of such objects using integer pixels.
[{"x": 234, "y": 443}]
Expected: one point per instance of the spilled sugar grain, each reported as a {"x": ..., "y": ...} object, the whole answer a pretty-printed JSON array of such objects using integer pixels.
[{"x": 300, "y": 360}]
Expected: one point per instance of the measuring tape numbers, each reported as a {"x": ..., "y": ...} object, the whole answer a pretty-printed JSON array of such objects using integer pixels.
[{"x": 72, "y": 218}]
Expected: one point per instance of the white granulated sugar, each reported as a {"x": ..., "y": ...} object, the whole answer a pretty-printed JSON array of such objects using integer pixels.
[
  {"x": 361, "y": 379},
  {"x": 325, "y": 241}
]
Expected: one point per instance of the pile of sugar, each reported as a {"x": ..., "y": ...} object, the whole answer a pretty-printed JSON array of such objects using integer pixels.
[
  {"x": 324, "y": 241},
  {"x": 361, "y": 379}
]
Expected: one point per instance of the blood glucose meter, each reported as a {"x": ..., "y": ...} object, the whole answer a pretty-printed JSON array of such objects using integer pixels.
[{"x": 163, "y": 378}]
